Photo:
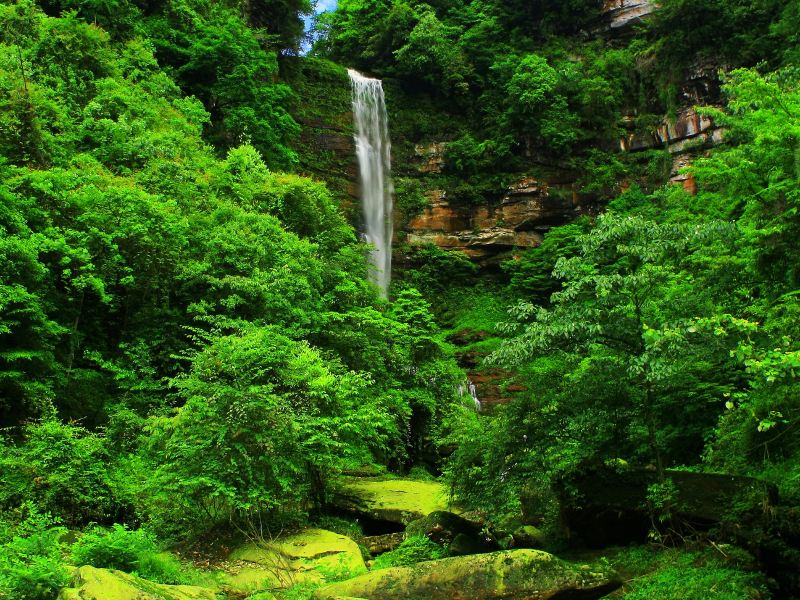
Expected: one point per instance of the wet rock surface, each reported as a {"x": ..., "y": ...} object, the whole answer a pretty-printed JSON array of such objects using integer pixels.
[
  {"x": 519, "y": 219},
  {"x": 619, "y": 17},
  {"x": 378, "y": 544}
]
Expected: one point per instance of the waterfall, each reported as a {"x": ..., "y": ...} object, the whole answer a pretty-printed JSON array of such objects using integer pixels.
[
  {"x": 373, "y": 150},
  {"x": 473, "y": 391}
]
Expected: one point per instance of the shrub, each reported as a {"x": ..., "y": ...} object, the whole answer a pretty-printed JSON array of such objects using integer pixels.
[
  {"x": 30, "y": 557},
  {"x": 132, "y": 551},
  {"x": 414, "y": 549},
  {"x": 420, "y": 473},
  {"x": 166, "y": 568},
  {"x": 63, "y": 469},
  {"x": 114, "y": 548}
]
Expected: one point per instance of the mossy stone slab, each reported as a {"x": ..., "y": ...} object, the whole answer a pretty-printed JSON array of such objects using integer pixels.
[
  {"x": 91, "y": 583},
  {"x": 520, "y": 574},
  {"x": 310, "y": 555},
  {"x": 395, "y": 500}
]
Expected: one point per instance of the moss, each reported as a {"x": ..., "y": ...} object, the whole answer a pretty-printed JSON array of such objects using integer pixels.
[
  {"x": 396, "y": 500},
  {"x": 313, "y": 555},
  {"x": 530, "y": 574},
  {"x": 90, "y": 583}
]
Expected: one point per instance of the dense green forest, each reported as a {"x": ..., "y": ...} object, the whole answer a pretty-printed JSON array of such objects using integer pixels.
[{"x": 193, "y": 360}]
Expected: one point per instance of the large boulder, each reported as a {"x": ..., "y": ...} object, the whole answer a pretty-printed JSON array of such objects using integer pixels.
[
  {"x": 307, "y": 556},
  {"x": 528, "y": 536},
  {"x": 519, "y": 574},
  {"x": 378, "y": 544},
  {"x": 460, "y": 535},
  {"x": 399, "y": 501},
  {"x": 91, "y": 583},
  {"x": 442, "y": 526}
]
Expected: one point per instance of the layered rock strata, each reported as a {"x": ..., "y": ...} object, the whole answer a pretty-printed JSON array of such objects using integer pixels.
[{"x": 619, "y": 17}]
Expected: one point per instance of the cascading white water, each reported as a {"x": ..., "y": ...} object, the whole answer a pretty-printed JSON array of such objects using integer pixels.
[{"x": 373, "y": 149}]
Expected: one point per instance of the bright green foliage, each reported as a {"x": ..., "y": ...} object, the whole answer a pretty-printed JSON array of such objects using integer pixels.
[
  {"x": 30, "y": 556},
  {"x": 62, "y": 469},
  {"x": 114, "y": 548},
  {"x": 265, "y": 423},
  {"x": 187, "y": 336},
  {"x": 414, "y": 549},
  {"x": 761, "y": 171},
  {"x": 429, "y": 263},
  {"x": 538, "y": 107},
  {"x": 677, "y": 574},
  {"x": 282, "y": 19},
  {"x": 211, "y": 317},
  {"x": 431, "y": 55},
  {"x": 410, "y": 197},
  {"x": 303, "y": 206},
  {"x": 731, "y": 30},
  {"x": 532, "y": 274},
  {"x": 672, "y": 338},
  {"x": 628, "y": 339},
  {"x": 629, "y": 312},
  {"x": 132, "y": 551},
  {"x": 505, "y": 95}
]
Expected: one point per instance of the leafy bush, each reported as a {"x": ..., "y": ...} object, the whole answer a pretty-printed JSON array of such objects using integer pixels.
[
  {"x": 63, "y": 469},
  {"x": 435, "y": 270},
  {"x": 167, "y": 568},
  {"x": 420, "y": 473},
  {"x": 114, "y": 548},
  {"x": 410, "y": 197},
  {"x": 132, "y": 551},
  {"x": 414, "y": 549},
  {"x": 30, "y": 557}
]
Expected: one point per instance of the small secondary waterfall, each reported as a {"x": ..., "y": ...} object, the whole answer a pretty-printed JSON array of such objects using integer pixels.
[
  {"x": 373, "y": 149},
  {"x": 473, "y": 392}
]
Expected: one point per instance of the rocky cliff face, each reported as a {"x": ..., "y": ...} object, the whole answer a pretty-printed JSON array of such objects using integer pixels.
[
  {"x": 619, "y": 17},
  {"x": 518, "y": 219},
  {"x": 684, "y": 137},
  {"x": 528, "y": 208}
]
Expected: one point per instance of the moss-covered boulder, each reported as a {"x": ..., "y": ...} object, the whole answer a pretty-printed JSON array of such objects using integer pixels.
[
  {"x": 312, "y": 555},
  {"x": 396, "y": 500},
  {"x": 460, "y": 535},
  {"x": 529, "y": 536},
  {"x": 519, "y": 574},
  {"x": 442, "y": 526},
  {"x": 378, "y": 544},
  {"x": 90, "y": 583}
]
